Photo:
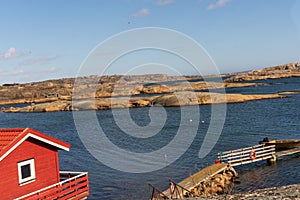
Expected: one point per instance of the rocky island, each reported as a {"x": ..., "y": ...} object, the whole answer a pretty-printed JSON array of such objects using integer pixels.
[{"x": 108, "y": 92}]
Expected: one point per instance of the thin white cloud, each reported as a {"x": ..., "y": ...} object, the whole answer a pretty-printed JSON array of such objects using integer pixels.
[
  {"x": 9, "y": 53},
  {"x": 164, "y": 2},
  {"x": 27, "y": 76},
  {"x": 218, "y": 4},
  {"x": 141, "y": 13},
  {"x": 20, "y": 72},
  {"x": 13, "y": 53},
  {"x": 40, "y": 60},
  {"x": 51, "y": 69},
  {"x": 11, "y": 72}
]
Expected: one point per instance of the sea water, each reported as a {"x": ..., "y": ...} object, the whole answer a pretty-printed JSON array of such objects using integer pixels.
[{"x": 245, "y": 124}]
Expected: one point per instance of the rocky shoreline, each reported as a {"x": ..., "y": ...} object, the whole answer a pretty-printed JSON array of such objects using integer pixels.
[
  {"x": 284, "y": 192},
  {"x": 109, "y": 92},
  {"x": 168, "y": 100},
  {"x": 280, "y": 71}
]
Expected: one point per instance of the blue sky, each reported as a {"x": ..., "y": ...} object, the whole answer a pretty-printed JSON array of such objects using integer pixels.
[{"x": 50, "y": 39}]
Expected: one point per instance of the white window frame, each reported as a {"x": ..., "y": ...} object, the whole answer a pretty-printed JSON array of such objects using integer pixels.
[{"x": 31, "y": 178}]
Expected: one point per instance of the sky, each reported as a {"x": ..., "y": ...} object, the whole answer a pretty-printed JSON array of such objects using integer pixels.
[{"x": 51, "y": 39}]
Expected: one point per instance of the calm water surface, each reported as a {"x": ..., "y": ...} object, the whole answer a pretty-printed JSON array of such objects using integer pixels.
[{"x": 246, "y": 124}]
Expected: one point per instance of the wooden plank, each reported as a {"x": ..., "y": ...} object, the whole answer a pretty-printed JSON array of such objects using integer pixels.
[
  {"x": 288, "y": 152},
  {"x": 246, "y": 153},
  {"x": 80, "y": 196},
  {"x": 246, "y": 150},
  {"x": 72, "y": 195},
  {"x": 72, "y": 187},
  {"x": 249, "y": 161},
  {"x": 190, "y": 182},
  {"x": 247, "y": 157},
  {"x": 242, "y": 156}
]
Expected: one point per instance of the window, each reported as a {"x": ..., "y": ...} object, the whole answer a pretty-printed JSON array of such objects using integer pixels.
[{"x": 26, "y": 171}]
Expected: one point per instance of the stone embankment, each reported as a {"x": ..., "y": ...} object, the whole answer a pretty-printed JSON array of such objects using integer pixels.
[{"x": 290, "y": 192}]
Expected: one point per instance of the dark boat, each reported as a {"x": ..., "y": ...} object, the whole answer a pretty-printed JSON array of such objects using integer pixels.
[{"x": 281, "y": 144}]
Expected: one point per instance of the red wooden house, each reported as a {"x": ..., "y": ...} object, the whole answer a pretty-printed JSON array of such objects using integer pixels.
[{"x": 29, "y": 168}]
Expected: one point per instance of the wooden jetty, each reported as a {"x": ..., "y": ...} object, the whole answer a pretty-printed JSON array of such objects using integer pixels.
[
  {"x": 219, "y": 177},
  {"x": 283, "y": 147},
  {"x": 269, "y": 151},
  {"x": 247, "y": 155},
  {"x": 209, "y": 181},
  {"x": 204, "y": 174}
]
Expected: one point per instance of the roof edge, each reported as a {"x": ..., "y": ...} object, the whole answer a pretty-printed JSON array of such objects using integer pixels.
[{"x": 28, "y": 132}]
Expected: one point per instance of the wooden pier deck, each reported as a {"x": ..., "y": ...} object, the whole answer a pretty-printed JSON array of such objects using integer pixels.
[
  {"x": 197, "y": 184},
  {"x": 287, "y": 152},
  {"x": 204, "y": 174}
]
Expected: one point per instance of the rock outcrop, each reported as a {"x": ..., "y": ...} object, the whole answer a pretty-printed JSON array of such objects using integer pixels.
[
  {"x": 43, "y": 107},
  {"x": 204, "y": 98},
  {"x": 186, "y": 98},
  {"x": 108, "y": 92},
  {"x": 280, "y": 71}
]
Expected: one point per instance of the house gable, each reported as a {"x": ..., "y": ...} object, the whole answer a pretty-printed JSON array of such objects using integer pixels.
[
  {"x": 28, "y": 161},
  {"x": 45, "y": 163},
  {"x": 10, "y": 139}
]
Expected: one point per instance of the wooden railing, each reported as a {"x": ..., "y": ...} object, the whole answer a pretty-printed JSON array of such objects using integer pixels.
[
  {"x": 74, "y": 185},
  {"x": 156, "y": 194},
  {"x": 179, "y": 192},
  {"x": 247, "y": 155}
]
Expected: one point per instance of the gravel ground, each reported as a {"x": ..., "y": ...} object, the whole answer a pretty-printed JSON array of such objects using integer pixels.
[{"x": 284, "y": 193}]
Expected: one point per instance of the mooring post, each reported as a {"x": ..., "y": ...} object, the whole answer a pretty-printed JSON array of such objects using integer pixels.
[{"x": 272, "y": 160}]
